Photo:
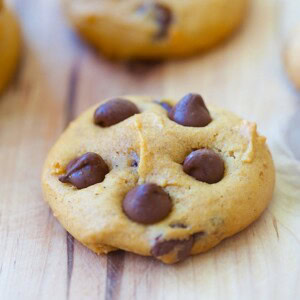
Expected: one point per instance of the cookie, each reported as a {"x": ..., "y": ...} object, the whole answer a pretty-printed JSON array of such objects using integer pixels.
[
  {"x": 292, "y": 57},
  {"x": 158, "y": 178},
  {"x": 9, "y": 45},
  {"x": 139, "y": 29}
]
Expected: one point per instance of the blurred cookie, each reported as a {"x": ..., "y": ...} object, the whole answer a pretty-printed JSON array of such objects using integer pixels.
[
  {"x": 139, "y": 29},
  {"x": 158, "y": 178},
  {"x": 9, "y": 44},
  {"x": 292, "y": 57}
]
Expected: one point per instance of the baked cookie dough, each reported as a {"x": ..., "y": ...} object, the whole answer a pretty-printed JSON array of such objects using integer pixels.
[
  {"x": 292, "y": 57},
  {"x": 9, "y": 45},
  {"x": 141, "y": 29},
  {"x": 158, "y": 178}
]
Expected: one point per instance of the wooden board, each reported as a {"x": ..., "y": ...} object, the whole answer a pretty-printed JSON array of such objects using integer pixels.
[{"x": 59, "y": 77}]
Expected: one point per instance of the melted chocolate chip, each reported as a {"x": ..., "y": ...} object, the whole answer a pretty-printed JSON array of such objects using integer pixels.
[
  {"x": 162, "y": 15},
  {"x": 204, "y": 165},
  {"x": 85, "y": 171},
  {"x": 190, "y": 111},
  {"x": 114, "y": 111},
  {"x": 147, "y": 204},
  {"x": 182, "y": 247}
]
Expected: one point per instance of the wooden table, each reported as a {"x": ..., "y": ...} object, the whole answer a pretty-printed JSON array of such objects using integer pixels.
[{"x": 59, "y": 77}]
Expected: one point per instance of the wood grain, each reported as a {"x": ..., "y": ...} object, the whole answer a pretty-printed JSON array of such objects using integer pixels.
[{"x": 59, "y": 77}]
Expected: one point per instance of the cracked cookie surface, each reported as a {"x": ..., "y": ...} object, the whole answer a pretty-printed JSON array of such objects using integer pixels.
[
  {"x": 169, "y": 190},
  {"x": 138, "y": 29}
]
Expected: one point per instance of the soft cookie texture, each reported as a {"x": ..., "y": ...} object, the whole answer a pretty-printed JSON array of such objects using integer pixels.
[
  {"x": 9, "y": 45},
  {"x": 140, "y": 29},
  {"x": 153, "y": 186},
  {"x": 292, "y": 57}
]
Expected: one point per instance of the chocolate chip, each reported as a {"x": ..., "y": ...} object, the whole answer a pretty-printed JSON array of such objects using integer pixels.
[
  {"x": 134, "y": 163},
  {"x": 161, "y": 14},
  {"x": 182, "y": 248},
  {"x": 178, "y": 225},
  {"x": 198, "y": 235},
  {"x": 135, "y": 159},
  {"x": 85, "y": 171},
  {"x": 147, "y": 204},
  {"x": 190, "y": 111},
  {"x": 204, "y": 165},
  {"x": 114, "y": 111},
  {"x": 164, "y": 105},
  {"x": 71, "y": 163}
]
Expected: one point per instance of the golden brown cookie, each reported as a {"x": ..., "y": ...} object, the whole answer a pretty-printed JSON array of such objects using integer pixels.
[
  {"x": 156, "y": 178},
  {"x": 9, "y": 45},
  {"x": 139, "y": 29},
  {"x": 292, "y": 57}
]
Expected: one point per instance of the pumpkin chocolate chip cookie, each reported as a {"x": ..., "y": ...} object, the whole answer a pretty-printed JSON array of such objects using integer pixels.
[
  {"x": 141, "y": 29},
  {"x": 158, "y": 178},
  {"x": 9, "y": 45}
]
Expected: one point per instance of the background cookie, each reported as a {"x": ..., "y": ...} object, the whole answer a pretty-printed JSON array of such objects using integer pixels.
[
  {"x": 154, "y": 29},
  {"x": 211, "y": 172},
  {"x": 9, "y": 45},
  {"x": 292, "y": 57}
]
